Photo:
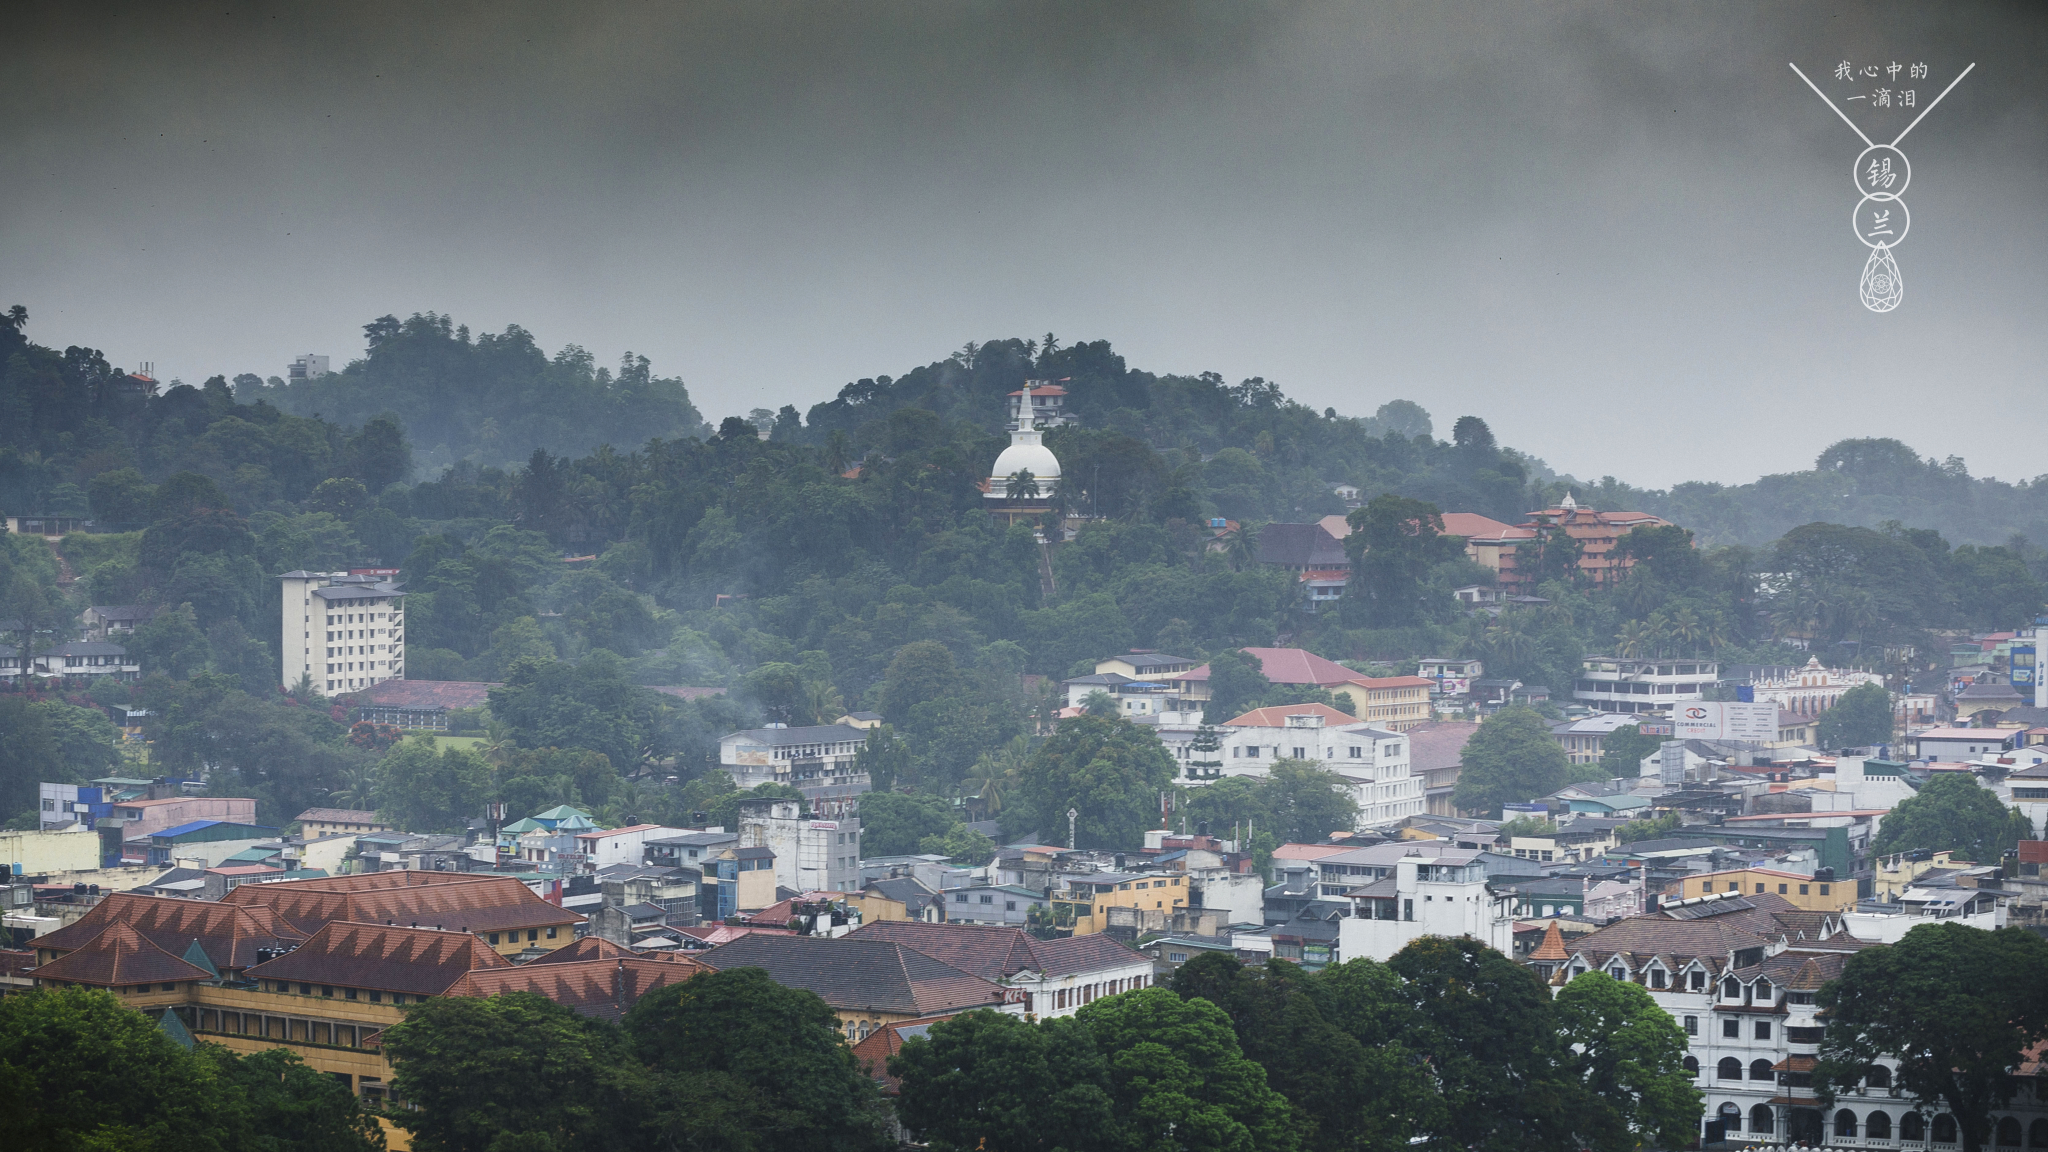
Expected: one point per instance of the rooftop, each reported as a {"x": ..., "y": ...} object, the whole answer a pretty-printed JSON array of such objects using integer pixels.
[
  {"x": 424, "y": 694},
  {"x": 819, "y": 734},
  {"x": 859, "y": 974}
]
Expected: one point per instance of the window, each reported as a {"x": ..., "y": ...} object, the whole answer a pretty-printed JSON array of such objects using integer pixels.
[
  {"x": 959, "y": 897},
  {"x": 551, "y": 933},
  {"x": 1728, "y": 1069},
  {"x": 1692, "y": 1025},
  {"x": 1845, "y": 1123},
  {"x": 533, "y": 934},
  {"x": 1731, "y": 1029},
  {"x": 1878, "y": 1076},
  {"x": 376, "y": 996},
  {"x": 1657, "y": 978},
  {"x": 1696, "y": 980},
  {"x": 1763, "y": 1029},
  {"x": 327, "y": 991},
  {"x": 1177, "y": 957},
  {"x": 1912, "y": 1128},
  {"x": 1878, "y": 1126},
  {"x": 1781, "y": 889},
  {"x": 1692, "y": 1066},
  {"x": 1824, "y": 889},
  {"x": 988, "y": 898},
  {"x": 1761, "y": 1119},
  {"x": 1616, "y": 973},
  {"x": 1730, "y": 990},
  {"x": 1009, "y": 905},
  {"x": 348, "y": 993},
  {"x": 1803, "y": 888},
  {"x": 1760, "y": 1070},
  {"x": 494, "y": 937}
]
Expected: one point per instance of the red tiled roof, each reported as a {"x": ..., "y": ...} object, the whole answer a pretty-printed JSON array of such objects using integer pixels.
[
  {"x": 604, "y": 988},
  {"x": 420, "y": 961},
  {"x": 1438, "y": 744},
  {"x": 599, "y": 948},
  {"x": 872, "y": 1054},
  {"x": 1394, "y": 681},
  {"x": 1286, "y": 666},
  {"x": 119, "y": 956},
  {"x": 1472, "y": 524},
  {"x": 229, "y": 933},
  {"x": 474, "y": 903},
  {"x": 426, "y": 694},
  {"x": 1276, "y": 717}
]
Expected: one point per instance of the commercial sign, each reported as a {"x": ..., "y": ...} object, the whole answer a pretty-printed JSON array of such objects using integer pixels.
[
  {"x": 1725, "y": 720},
  {"x": 1654, "y": 727}
]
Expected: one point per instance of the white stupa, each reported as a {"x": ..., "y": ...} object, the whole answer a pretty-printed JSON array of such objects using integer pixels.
[{"x": 1027, "y": 453}]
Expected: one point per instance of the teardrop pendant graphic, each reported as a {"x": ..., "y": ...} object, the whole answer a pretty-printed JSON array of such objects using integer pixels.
[{"x": 1881, "y": 287}]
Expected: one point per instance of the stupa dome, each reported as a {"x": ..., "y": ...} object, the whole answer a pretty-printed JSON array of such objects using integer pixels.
[{"x": 1027, "y": 453}]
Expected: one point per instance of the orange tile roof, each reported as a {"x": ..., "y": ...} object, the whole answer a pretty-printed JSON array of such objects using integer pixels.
[
  {"x": 421, "y": 961},
  {"x": 230, "y": 934},
  {"x": 872, "y": 1054},
  {"x": 117, "y": 957},
  {"x": 1552, "y": 947},
  {"x": 604, "y": 988},
  {"x": 479, "y": 903},
  {"x": 1276, "y": 717}
]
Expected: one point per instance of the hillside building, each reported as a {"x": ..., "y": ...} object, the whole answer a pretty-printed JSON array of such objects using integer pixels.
[{"x": 343, "y": 630}]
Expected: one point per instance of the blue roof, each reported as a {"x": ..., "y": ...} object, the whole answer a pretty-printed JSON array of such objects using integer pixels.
[{"x": 192, "y": 826}]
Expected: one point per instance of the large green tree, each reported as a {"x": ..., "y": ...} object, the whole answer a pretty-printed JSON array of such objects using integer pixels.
[
  {"x": 1308, "y": 802},
  {"x": 1954, "y": 1008},
  {"x": 1953, "y": 812},
  {"x": 1631, "y": 1057},
  {"x": 1492, "y": 1036},
  {"x": 1510, "y": 759},
  {"x": 1111, "y": 772},
  {"x": 426, "y": 788},
  {"x": 1861, "y": 717},
  {"x": 987, "y": 1080},
  {"x": 743, "y": 1064},
  {"x": 894, "y": 823},
  {"x": 1394, "y": 542},
  {"x": 1178, "y": 1078},
  {"x": 512, "y": 1072},
  {"x": 1622, "y": 751}
]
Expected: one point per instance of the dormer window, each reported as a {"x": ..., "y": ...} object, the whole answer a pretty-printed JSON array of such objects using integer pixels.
[
  {"x": 1763, "y": 990},
  {"x": 1730, "y": 990}
]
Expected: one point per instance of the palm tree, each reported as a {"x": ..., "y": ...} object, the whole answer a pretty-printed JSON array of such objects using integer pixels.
[
  {"x": 1509, "y": 639},
  {"x": 1241, "y": 546},
  {"x": 995, "y": 774},
  {"x": 1686, "y": 628},
  {"x": 824, "y": 701},
  {"x": 1633, "y": 640},
  {"x": 358, "y": 788},
  {"x": 1021, "y": 485}
]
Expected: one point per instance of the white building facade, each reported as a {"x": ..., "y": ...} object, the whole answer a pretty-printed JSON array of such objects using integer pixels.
[
  {"x": 1374, "y": 762},
  {"x": 1618, "y": 684},
  {"x": 1442, "y": 895},
  {"x": 345, "y": 631},
  {"x": 810, "y": 855}
]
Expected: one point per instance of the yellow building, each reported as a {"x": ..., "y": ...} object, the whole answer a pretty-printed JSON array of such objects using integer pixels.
[
  {"x": 1395, "y": 702},
  {"x": 1802, "y": 891},
  {"x": 317, "y": 822},
  {"x": 1085, "y": 902},
  {"x": 1899, "y": 871},
  {"x": 40, "y": 853},
  {"x": 245, "y": 978}
]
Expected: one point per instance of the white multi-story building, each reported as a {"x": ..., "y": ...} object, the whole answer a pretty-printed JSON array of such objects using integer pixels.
[
  {"x": 810, "y": 855},
  {"x": 343, "y": 630},
  {"x": 1372, "y": 761},
  {"x": 1739, "y": 973},
  {"x": 1617, "y": 684},
  {"x": 1810, "y": 690},
  {"x": 1423, "y": 895}
]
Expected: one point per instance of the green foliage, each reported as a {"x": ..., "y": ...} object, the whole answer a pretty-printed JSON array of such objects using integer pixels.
[
  {"x": 288, "y": 756},
  {"x": 87, "y": 742},
  {"x": 29, "y": 754},
  {"x": 1861, "y": 717},
  {"x": 1512, "y": 758},
  {"x": 1952, "y": 812},
  {"x": 742, "y": 1064},
  {"x": 1490, "y": 1034},
  {"x": 1333, "y": 1043},
  {"x": 961, "y": 845},
  {"x": 984, "y": 1079},
  {"x": 1649, "y": 828},
  {"x": 1622, "y": 752},
  {"x": 1954, "y": 1007},
  {"x": 512, "y": 1071},
  {"x": 895, "y": 823},
  {"x": 1394, "y": 543},
  {"x": 1632, "y": 1060},
  {"x": 593, "y": 705},
  {"x": 1111, "y": 771},
  {"x": 1177, "y": 1077},
  {"x": 81, "y": 1070},
  {"x": 422, "y": 788}
]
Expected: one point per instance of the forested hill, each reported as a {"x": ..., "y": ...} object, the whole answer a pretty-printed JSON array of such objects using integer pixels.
[{"x": 492, "y": 399}]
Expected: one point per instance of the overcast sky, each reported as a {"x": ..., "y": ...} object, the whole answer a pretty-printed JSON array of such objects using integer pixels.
[{"x": 1621, "y": 233}]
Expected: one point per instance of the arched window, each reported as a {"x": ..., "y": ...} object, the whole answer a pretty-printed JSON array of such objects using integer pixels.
[
  {"x": 1728, "y": 1069},
  {"x": 1692, "y": 1066},
  {"x": 1845, "y": 1123},
  {"x": 2037, "y": 1134},
  {"x": 2008, "y": 1132},
  {"x": 1760, "y": 1070},
  {"x": 1878, "y": 1076},
  {"x": 1913, "y": 1128},
  {"x": 1877, "y": 1126},
  {"x": 1731, "y": 1117},
  {"x": 1760, "y": 1119},
  {"x": 1944, "y": 1129}
]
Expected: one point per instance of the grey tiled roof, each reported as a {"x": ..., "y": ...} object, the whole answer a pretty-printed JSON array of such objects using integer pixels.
[{"x": 859, "y": 975}]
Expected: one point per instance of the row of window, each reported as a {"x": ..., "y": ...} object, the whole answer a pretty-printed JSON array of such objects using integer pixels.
[
  {"x": 1913, "y": 1127},
  {"x": 1736, "y": 886},
  {"x": 328, "y": 991},
  {"x": 1089, "y": 993}
]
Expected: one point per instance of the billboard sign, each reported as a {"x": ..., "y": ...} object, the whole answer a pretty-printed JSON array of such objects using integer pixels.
[
  {"x": 1725, "y": 720},
  {"x": 1654, "y": 727}
]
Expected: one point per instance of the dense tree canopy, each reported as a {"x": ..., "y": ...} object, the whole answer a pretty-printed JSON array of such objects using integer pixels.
[
  {"x": 1510, "y": 759},
  {"x": 1954, "y": 1007},
  {"x": 1953, "y": 812}
]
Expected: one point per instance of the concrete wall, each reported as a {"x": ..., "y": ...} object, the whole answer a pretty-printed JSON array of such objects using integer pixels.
[{"x": 42, "y": 852}]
